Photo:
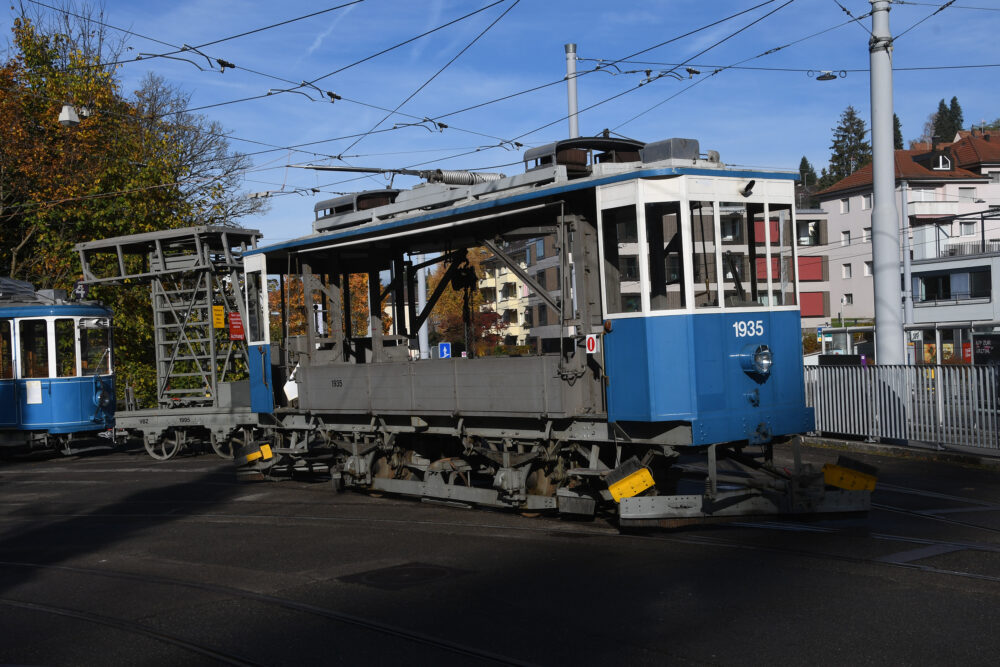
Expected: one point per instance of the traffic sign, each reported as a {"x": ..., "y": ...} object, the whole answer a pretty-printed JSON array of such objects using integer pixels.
[
  {"x": 444, "y": 350},
  {"x": 593, "y": 344}
]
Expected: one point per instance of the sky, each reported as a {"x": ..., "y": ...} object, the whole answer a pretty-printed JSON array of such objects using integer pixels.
[{"x": 769, "y": 116}]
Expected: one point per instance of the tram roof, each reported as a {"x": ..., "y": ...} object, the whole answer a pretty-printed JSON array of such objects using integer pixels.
[{"x": 415, "y": 221}]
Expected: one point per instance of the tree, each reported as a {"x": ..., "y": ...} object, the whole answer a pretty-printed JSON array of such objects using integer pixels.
[
  {"x": 946, "y": 121},
  {"x": 897, "y": 133},
  {"x": 129, "y": 166},
  {"x": 458, "y": 316},
  {"x": 851, "y": 150},
  {"x": 808, "y": 182}
]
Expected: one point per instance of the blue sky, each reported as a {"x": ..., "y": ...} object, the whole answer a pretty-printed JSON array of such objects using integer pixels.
[{"x": 752, "y": 117}]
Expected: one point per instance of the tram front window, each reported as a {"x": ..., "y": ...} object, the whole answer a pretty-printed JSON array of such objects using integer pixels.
[
  {"x": 743, "y": 247},
  {"x": 666, "y": 260},
  {"x": 95, "y": 347},
  {"x": 34, "y": 341},
  {"x": 65, "y": 348}
]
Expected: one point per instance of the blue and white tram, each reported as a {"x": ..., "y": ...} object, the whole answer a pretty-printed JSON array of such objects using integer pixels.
[
  {"x": 56, "y": 381},
  {"x": 646, "y": 299}
]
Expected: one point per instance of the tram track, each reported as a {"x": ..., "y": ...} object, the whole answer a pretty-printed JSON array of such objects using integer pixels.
[
  {"x": 271, "y": 600},
  {"x": 133, "y": 628}
]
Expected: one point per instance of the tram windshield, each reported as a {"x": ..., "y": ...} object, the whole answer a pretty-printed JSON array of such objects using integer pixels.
[
  {"x": 95, "y": 346},
  {"x": 698, "y": 254}
]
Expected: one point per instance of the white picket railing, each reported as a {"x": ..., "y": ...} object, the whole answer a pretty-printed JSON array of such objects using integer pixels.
[{"x": 946, "y": 405}]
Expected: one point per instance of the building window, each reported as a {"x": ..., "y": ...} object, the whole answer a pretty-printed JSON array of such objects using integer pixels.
[
  {"x": 968, "y": 228},
  {"x": 539, "y": 249},
  {"x": 848, "y": 300},
  {"x": 866, "y": 234},
  {"x": 630, "y": 267},
  {"x": 845, "y": 270},
  {"x": 866, "y": 202},
  {"x": 942, "y": 163},
  {"x": 845, "y": 205},
  {"x": 868, "y": 268},
  {"x": 543, "y": 315},
  {"x": 994, "y": 176},
  {"x": 845, "y": 238},
  {"x": 966, "y": 195}
]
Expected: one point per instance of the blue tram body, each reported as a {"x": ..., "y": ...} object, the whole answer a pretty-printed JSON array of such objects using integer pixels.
[
  {"x": 55, "y": 370},
  {"x": 689, "y": 368}
]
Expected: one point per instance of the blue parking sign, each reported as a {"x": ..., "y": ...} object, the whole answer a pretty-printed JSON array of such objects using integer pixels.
[{"x": 444, "y": 350}]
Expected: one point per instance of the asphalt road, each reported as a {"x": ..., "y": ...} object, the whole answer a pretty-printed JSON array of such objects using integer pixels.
[{"x": 117, "y": 559}]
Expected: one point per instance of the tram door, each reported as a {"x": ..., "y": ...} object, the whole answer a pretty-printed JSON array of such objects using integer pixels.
[
  {"x": 258, "y": 335},
  {"x": 8, "y": 386}
]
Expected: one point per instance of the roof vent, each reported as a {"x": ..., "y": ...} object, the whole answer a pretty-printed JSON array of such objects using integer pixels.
[{"x": 670, "y": 149}]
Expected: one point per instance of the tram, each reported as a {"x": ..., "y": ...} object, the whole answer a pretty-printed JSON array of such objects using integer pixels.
[
  {"x": 649, "y": 358},
  {"x": 56, "y": 382}
]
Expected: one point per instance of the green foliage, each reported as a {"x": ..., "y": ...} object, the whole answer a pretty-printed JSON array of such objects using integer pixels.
[
  {"x": 947, "y": 120},
  {"x": 897, "y": 133},
  {"x": 851, "y": 150},
  {"x": 129, "y": 166}
]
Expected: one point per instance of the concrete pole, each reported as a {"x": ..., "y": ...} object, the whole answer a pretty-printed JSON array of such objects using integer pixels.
[
  {"x": 885, "y": 221},
  {"x": 422, "y": 340},
  {"x": 574, "y": 124},
  {"x": 907, "y": 274}
]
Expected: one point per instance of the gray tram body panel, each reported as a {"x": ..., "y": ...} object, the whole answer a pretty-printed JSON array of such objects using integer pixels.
[{"x": 487, "y": 386}]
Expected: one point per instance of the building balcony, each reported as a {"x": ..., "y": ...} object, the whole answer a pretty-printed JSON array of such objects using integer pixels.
[{"x": 940, "y": 209}]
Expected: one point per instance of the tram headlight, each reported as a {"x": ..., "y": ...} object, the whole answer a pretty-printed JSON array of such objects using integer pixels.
[
  {"x": 762, "y": 359},
  {"x": 757, "y": 360}
]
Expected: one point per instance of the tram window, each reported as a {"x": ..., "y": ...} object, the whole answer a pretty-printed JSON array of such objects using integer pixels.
[
  {"x": 65, "y": 348},
  {"x": 621, "y": 236},
  {"x": 744, "y": 255},
  {"x": 705, "y": 269},
  {"x": 95, "y": 348},
  {"x": 253, "y": 286},
  {"x": 782, "y": 254},
  {"x": 6, "y": 351},
  {"x": 666, "y": 260},
  {"x": 33, "y": 337}
]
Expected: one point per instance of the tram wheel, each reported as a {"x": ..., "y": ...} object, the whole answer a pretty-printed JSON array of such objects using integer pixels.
[
  {"x": 166, "y": 446},
  {"x": 222, "y": 446}
]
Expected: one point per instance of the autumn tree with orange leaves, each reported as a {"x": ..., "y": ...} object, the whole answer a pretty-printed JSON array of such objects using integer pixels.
[{"x": 133, "y": 164}]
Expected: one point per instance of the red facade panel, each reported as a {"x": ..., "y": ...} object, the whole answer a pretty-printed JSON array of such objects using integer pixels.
[
  {"x": 810, "y": 268},
  {"x": 811, "y": 304}
]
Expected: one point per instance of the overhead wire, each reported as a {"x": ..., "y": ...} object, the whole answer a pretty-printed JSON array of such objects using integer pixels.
[
  {"x": 439, "y": 71},
  {"x": 934, "y": 13}
]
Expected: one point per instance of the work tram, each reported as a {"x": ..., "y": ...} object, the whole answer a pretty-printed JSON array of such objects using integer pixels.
[
  {"x": 641, "y": 349},
  {"x": 56, "y": 382}
]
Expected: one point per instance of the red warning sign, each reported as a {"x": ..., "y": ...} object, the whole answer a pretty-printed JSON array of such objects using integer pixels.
[
  {"x": 236, "y": 327},
  {"x": 593, "y": 344}
]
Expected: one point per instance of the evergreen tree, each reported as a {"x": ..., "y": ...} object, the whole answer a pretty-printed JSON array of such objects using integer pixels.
[
  {"x": 942, "y": 124},
  {"x": 955, "y": 114},
  {"x": 897, "y": 133},
  {"x": 851, "y": 150},
  {"x": 807, "y": 184}
]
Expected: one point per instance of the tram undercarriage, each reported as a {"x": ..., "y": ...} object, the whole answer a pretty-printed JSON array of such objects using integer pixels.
[{"x": 549, "y": 466}]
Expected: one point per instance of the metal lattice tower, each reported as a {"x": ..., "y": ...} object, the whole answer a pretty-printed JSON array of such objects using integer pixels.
[{"x": 191, "y": 272}]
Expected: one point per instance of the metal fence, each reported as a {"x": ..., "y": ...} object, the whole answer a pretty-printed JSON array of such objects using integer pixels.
[{"x": 947, "y": 405}]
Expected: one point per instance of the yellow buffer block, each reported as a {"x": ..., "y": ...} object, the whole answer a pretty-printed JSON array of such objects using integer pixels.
[
  {"x": 847, "y": 479},
  {"x": 265, "y": 451},
  {"x": 632, "y": 485}
]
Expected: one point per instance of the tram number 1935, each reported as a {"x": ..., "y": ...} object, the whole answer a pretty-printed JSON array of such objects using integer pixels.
[{"x": 745, "y": 328}]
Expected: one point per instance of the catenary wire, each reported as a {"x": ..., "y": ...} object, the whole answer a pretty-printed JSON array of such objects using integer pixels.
[{"x": 934, "y": 13}]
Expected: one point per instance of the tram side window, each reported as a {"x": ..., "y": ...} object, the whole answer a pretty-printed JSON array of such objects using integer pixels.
[
  {"x": 664, "y": 236},
  {"x": 782, "y": 254},
  {"x": 706, "y": 281},
  {"x": 254, "y": 325},
  {"x": 65, "y": 348},
  {"x": 621, "y": 246},
  {"x": 34, "y": 349},
  {"x": 741, "y": 250},
  {"x": 95, "y": 347},
  {"x": 6, "y": 351}
]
